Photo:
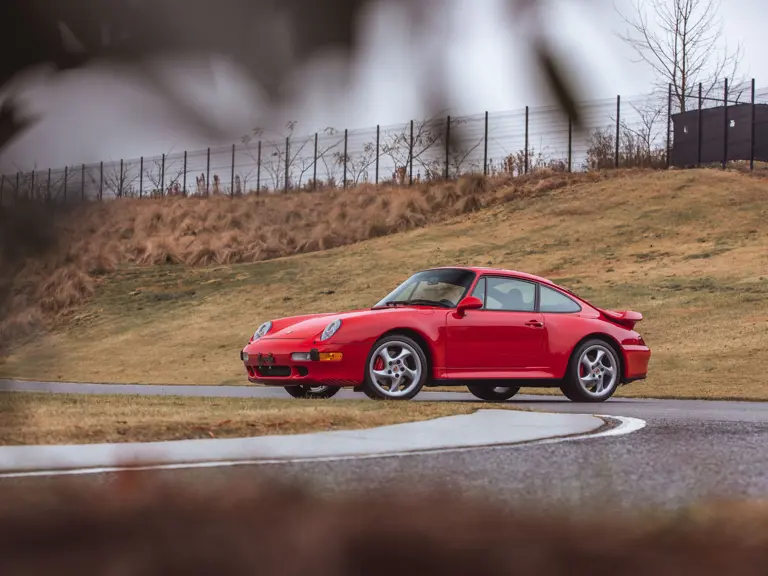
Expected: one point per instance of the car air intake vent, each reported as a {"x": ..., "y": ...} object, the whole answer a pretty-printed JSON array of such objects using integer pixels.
[{"x": 274, "y": 371}]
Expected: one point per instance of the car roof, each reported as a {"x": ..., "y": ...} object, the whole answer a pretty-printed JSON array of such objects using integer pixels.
[{"x": 511, "y": 273}]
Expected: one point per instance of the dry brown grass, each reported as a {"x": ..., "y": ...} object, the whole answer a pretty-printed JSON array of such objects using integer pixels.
[
  {"x": 97, "y": 238},
  {"x": 689, "y": 249},
  {"x": 31, "y": 418},
  {"x": 136, "y": 527}
]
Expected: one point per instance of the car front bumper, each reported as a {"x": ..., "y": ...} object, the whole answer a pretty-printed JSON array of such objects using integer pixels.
[{"x": 269, "y": 361}]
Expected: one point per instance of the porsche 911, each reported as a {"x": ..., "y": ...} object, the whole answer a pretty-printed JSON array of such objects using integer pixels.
[{"x": 493, "y": 331}]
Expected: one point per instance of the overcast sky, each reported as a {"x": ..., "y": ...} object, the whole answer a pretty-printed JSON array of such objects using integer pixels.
[{"x": 95, "y": 115}]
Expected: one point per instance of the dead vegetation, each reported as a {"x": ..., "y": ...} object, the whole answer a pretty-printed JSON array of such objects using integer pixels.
[
  {"x": 97, "y": 238},
  {"x": 131, "y": 526},
  {"x": 33, "y": 419},
  {"x": 688, "y": 248}
]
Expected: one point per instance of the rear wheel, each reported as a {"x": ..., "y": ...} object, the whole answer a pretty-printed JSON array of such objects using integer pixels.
[
  {"x": 593, "y": 373},
  {"x": 396, "y": 369},
  {"x": 493, "y": 393},
  {"x": 312, "y": 392}
]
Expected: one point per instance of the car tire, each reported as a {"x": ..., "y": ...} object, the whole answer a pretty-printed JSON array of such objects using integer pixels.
[
  {"x": 413, "y": 367},
  {"x": 592, "y": 362},
  {"x": 493, "y": 393},
  {"x": 312, "y": 392}
]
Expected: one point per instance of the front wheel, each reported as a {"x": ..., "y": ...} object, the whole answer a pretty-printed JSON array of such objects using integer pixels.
[
  {"x": 593, "y": 373},
  {"x": 493, "y": 393},
  {"x": 396, "y": 369},
  {"x": 312, "y": 392}
]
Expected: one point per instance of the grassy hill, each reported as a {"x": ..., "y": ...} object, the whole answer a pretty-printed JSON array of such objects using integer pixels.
[{"x": 689, "y": 249}]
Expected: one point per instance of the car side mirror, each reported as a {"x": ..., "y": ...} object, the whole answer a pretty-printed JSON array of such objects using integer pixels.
[{"x": 469, "y": 303}]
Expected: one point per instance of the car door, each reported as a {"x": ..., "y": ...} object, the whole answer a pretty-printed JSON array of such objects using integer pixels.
[
  {"x": 505, "y": 337},
  {"x": 564, "y": 326}
]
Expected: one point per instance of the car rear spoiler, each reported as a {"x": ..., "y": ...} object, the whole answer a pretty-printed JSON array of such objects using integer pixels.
[{"x": 626, "y": 318}]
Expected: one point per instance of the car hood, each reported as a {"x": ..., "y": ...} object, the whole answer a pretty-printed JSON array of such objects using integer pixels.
[{"x": 312, "y": 325}]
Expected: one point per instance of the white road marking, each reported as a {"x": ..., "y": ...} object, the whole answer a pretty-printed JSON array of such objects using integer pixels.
[{"x": 626, "y": 426}]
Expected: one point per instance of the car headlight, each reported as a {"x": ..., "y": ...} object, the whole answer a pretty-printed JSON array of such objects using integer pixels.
[
  {"x": 330, "y": 330},
  {"x": 262, "y": 330}
]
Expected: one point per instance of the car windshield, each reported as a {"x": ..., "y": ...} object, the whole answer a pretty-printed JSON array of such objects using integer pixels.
[{"x": 443, "y": 288}]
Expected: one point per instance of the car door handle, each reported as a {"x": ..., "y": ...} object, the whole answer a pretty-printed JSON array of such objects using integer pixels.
[{"x": 534, "y": 323}]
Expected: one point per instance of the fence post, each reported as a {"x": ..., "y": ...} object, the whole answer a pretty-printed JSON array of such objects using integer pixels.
[
  {"x": 618, "y": 131},
  {"x": 287, "y": 160},
  {"x": 66, "y": 175},
  {"x": 378, "y": 136},
  {"x": 485, "y": 152},
  {"x": 447, "y": 146},
  {"x": 101, "y": 180},
  {"x": 82, "y": 183},
  {"x": 570, "y": 143},
  {"x": 120, "y": 184},
  {"x": 314, "y": 166},
  {"x": 208, "y": 173},
  {"x": 698, "y": 130},
  {"x": 141, "y": 176},
  {"x": 410, "y": 158},
  {"x": 346, "y": 137},
  {"x": 184, "y": 180},
  {"x": 232, "y": 183},
  {"x": 669, "y": 127},
  {"x": 526, "y": 140},
  {"x": 258, "y": 170},
  {"x": 725, "y": 124},
  {"x": 162, "y": 176},
  {"x": 752, "y": 131},
  {"x": 48, "y": 187}
]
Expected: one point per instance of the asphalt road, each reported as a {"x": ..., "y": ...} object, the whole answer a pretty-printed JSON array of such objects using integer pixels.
[{"x": 690, "y": 449}]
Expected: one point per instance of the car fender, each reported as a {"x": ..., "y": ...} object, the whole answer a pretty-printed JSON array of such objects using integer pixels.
[
  {"x": 609, "y": 339},
  {"x": 427, "y": 325}
]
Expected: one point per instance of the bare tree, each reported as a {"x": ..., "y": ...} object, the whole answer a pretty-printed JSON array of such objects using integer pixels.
[
  {"x": 358, "y": 164},
  {"x": 646, "y": 133},
  {"x": 243, "y": 176},
  {"x": 34, "y": 183},
  {"x": 427, "y": 135},
  {"x": 163, "y": 174},
  {"x": 682, "y": 41},
  {"x": 462, "y": 150},
  {"x": 305, "y": 162},
  {"x": 273, "y": 164},
  {"x": 120, "y": 178},
  {"x": 287, "y": 151},
  {"x": 330, "y": 161}
]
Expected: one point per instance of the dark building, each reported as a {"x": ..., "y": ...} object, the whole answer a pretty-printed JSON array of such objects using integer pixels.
[{"x": 685, "y": 146}]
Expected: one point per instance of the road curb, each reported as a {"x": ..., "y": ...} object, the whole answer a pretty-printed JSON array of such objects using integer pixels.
[{"x": 481, "y": 429}]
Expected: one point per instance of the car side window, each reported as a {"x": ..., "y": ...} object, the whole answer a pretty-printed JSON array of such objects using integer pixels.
[
  {"x": 479, "y": 291},
  {"x": 510, "y": 294},
  {"x": 553, "y": 301}
]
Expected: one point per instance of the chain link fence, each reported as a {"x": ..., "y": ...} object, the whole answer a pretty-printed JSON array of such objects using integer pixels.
[{"x": 651, "y": 131}]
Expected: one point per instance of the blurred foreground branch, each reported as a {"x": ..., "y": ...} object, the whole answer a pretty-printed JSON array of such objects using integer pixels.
[
  {"x": 130, "y": 527},
  {"x": 269, "y": 39}
]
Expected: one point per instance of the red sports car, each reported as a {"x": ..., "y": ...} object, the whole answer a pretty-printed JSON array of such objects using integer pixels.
[{"x": 490, "y": 330}]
